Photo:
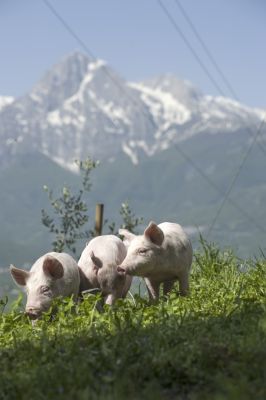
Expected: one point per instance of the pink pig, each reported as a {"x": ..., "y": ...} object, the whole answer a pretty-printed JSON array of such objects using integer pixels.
[
  {"x": 98, "y": 264},
  {"x": 162, "y": 254},
  {"x": 52, "y": 275}
]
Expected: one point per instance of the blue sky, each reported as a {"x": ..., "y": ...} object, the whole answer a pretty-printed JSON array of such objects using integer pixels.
[{"x": 137, "y": 39}]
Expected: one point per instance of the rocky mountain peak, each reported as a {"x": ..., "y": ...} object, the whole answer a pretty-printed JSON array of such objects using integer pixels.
[
  {"x": 182, "y": 90},
  {"x": 60, "y": 82},
  {"x": 83, "y": 107}
]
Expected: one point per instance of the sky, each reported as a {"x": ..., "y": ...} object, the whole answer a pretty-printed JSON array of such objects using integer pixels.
[{"x": 138, "y": 40}]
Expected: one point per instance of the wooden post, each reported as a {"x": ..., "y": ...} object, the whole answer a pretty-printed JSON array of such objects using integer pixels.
[{"x": 98, "y": 219}]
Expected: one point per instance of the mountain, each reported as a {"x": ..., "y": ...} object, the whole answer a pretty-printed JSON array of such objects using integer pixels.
[{"x": 82, "y": 107}]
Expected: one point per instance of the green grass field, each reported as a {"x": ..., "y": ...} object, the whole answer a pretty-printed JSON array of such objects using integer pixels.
[{"x": 210, "y": 345}]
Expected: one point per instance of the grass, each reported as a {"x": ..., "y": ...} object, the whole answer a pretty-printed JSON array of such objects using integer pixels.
[{"x": 211, "y": 345}]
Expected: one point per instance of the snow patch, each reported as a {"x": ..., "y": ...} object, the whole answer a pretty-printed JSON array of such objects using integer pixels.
[
  {"x": 96, "y": 65},
  {"x": 5, "y": 101},
  {"x": 229, "y": 106},
  {"x": 133, "y": 157},
  {"x": 163, "y": 106},
  {"x": 70, "y": 166},
  {"x": 36, "y": 97},
  {"x": 112, "y": 111},
  {"x": 54, "y": 118},
  {"x": 82, "y": 88},
  {"x": 149, "y": 150}
]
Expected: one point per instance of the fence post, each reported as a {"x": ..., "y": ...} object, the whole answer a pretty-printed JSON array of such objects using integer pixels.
[{"x": 98, "y": 219}]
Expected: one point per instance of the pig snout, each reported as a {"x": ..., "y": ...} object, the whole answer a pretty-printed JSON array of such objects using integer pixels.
[
  {"x": 121, "y": 270},
  {"x": 125, "y": 270},
  {"x": 33, "y": 313}
]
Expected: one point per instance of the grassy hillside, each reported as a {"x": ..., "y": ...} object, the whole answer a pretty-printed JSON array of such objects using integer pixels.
[{"x": 211, "y": 345}]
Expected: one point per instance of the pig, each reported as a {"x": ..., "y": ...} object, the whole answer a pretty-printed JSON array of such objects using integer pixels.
[
  {"x": 98, "y": 264},
  {"x": 52, "y": 275},
  {"x": 163, "y": 254}
]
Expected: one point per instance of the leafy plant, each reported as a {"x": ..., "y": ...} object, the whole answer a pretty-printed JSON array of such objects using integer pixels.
[
  {"x": 71, "y": 211},
  {"x": 129, "y": 219}
]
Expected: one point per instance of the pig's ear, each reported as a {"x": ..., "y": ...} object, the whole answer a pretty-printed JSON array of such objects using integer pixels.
[
  {"x": 53, "y": 268},
  {"x": 97, "y": 264},
  {"x": 127, "y": 235},
  {"x": 20, "y": 276},
  {"x": 154, "y": 234}
]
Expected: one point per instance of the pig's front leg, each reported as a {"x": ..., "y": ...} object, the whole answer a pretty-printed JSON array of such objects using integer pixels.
[
  {"x": 184, "y": 283},
  {"x": 153, "y": 288},
  {"x": 167, "y": 286}
]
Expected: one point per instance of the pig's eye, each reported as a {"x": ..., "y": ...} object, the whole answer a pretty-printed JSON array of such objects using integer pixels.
[
  {"x": 142, "y": 251},
  {"x": 45, "y": 290}
]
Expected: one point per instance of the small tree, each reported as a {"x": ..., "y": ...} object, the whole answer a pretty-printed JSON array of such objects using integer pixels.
[
  {"x": 129, "y": 219},
  {"x": 71, "y": 211}
]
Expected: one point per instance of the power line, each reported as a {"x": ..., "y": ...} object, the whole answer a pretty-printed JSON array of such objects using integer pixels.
[
  {"x": 233, "y": 93},
  {"x": 173, "y": 22},
  {"x": 216, "y": 187},
  {"x": 91, "y": 54},
  {"x": 181, "y": 34},
  {"x": 205, "y": 48},
  {"x": 198, "y": 59},
  {"x": 214, "y": 63},
  {"x": 68, "y": 28},
  {"x": 75, "y": 36},
  {"x": 235, "y": 177}
]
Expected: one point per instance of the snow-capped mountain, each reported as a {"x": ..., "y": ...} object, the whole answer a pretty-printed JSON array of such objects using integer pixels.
[{"x": 83, "y": 107}]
